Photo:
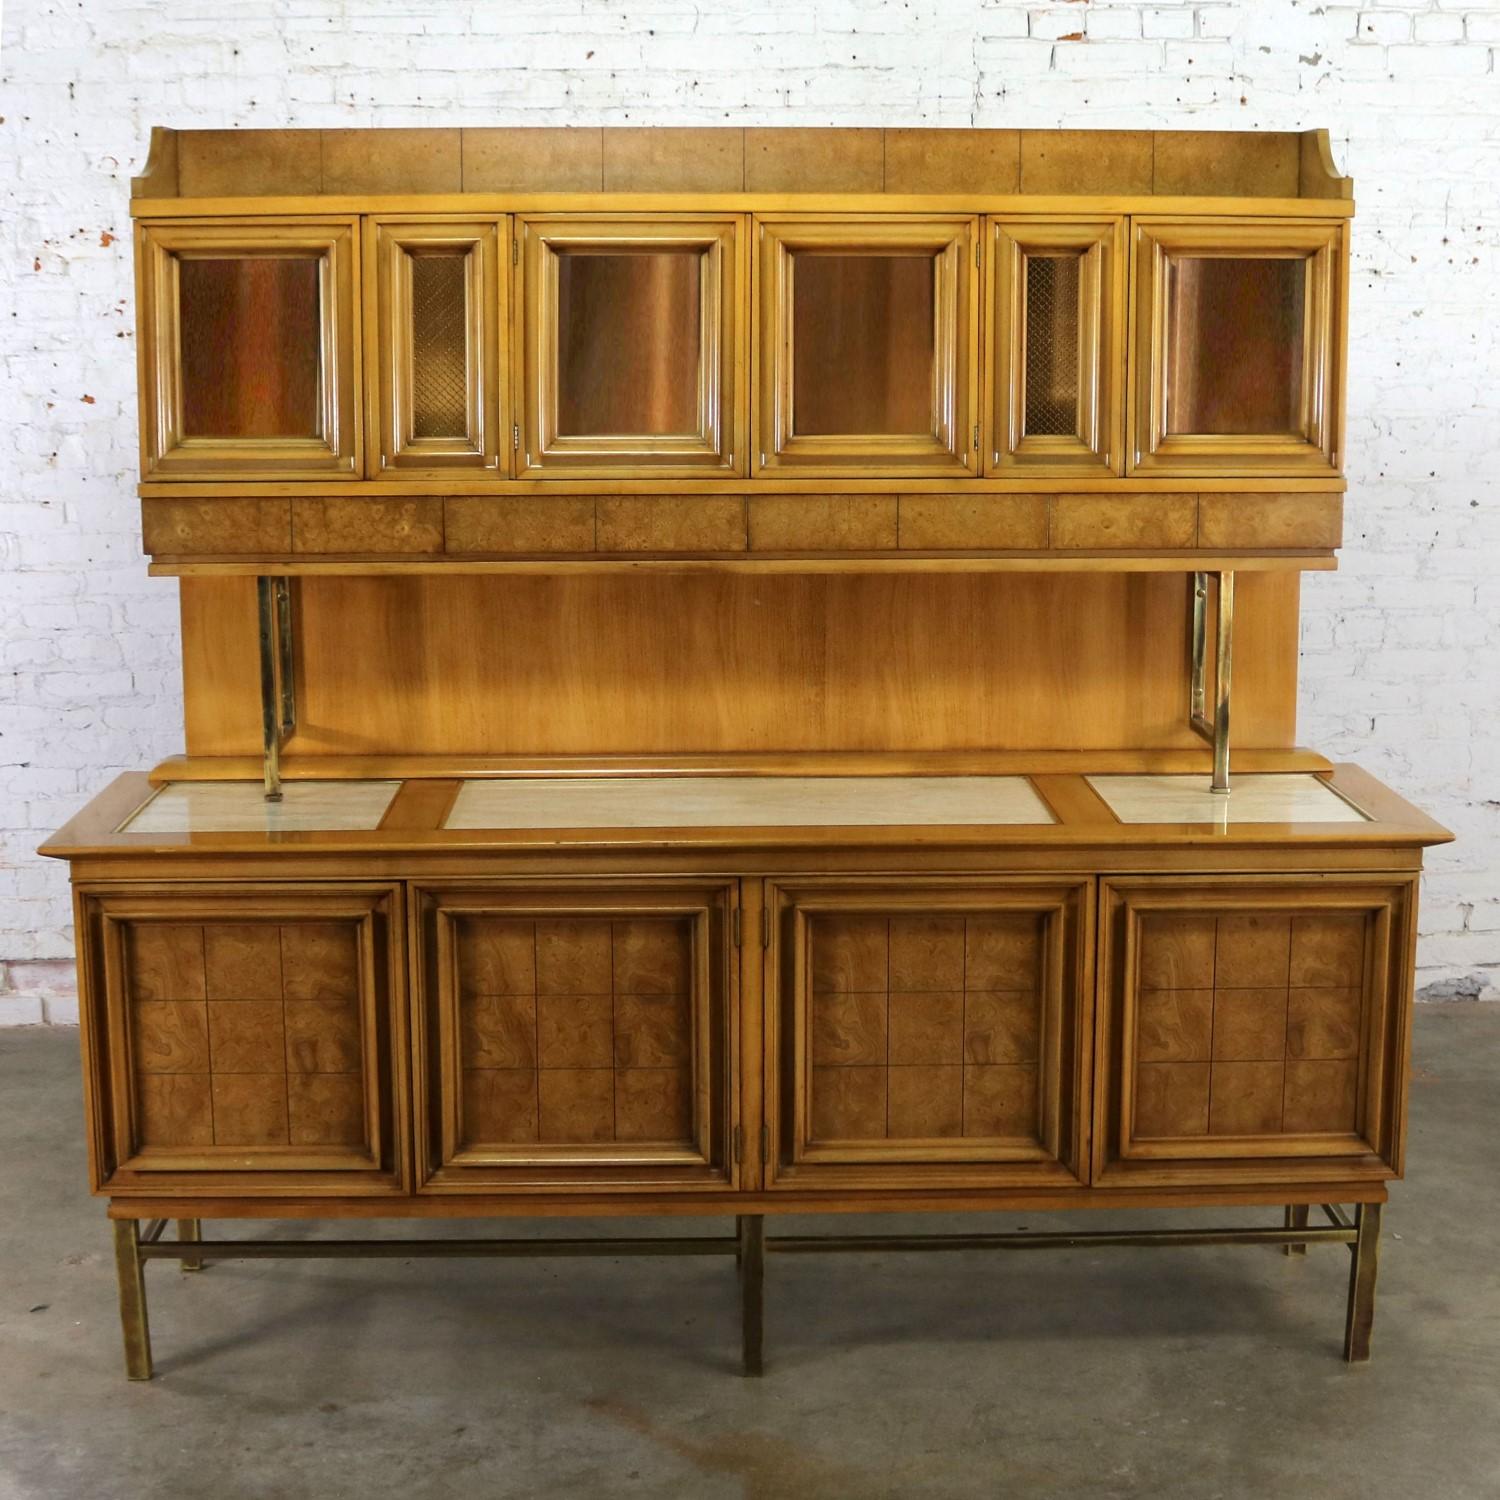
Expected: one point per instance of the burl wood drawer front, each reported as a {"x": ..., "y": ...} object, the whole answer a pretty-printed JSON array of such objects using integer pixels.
[
  {"x": 576, "y": 1034},
  {"x": 1253, "y": 1028},
  {"x": 927, "y": 1033},
  {"x": 241, "y": 1040}
]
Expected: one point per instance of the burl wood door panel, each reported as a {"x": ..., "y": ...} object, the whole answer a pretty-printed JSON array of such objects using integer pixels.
[
  {"x": 242, "y": 1040},
  {"x": 922, "y": 1032},
  {"x": 1253, "y": 1029},
  {"x": 577, "y": 1034}
]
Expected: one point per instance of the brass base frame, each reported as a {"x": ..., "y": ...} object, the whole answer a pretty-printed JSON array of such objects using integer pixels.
[{"x": 750, "y": 1245}]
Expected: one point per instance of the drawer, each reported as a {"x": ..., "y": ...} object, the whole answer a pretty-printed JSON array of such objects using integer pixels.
[
  {"x": 1253, "y": 1029},
  {"x": 242, "y": 1040},
  {"x": 927, "y": 1033},
  {"x": 575, "y": 1034}
]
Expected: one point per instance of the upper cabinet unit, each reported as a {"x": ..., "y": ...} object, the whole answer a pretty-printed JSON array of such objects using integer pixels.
[
  {"x": 248, "y": 352},
  {"x": 1237, "y": 346},
  {"x": 436, "y": 378},
  {"x": 868, "y": 340},
  {"x": 627, "y": 354},
  {"x": 1056, "y": 302}
]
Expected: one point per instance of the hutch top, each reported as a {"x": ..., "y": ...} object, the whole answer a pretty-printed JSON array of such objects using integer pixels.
[{"x": 486, "y": 349}]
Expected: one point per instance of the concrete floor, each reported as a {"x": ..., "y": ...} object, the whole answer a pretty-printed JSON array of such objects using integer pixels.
[{"x": 1195, "y": 1373}]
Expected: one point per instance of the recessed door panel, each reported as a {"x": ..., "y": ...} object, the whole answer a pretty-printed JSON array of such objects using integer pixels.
[
  {"x": 579, "y": 1035},
  {"x": 1252, "y": 1030},
  {"x": 924, "y": 1030},
  {"x": 248, "y": 352},
  {"x": 867, "y": 343},
  {"x": 628, "y": 364}
]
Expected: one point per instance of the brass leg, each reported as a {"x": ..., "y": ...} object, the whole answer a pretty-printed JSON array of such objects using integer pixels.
[
  {"x": 1296, "y": 1218},
  {"x": 752, "y": 1258},
  {"x": 131, "y": 1272},
  {"x": 1362, "y": 1268},
  {"x": 189, "y": 1232}
]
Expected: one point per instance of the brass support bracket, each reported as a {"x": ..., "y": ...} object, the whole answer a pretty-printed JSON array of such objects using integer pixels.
[
  {"x": 278, "y": 692},
  {"x": 1212, "y": 727}
]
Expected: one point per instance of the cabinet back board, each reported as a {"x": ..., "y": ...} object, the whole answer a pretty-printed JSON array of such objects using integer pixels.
[{"x": 475, "y": 665}]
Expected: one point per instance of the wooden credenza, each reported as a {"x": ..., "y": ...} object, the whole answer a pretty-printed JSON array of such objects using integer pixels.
[{"x": 708, "y": 665}]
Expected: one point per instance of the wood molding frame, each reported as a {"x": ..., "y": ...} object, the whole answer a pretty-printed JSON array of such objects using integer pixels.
[
  {"x": 1097, "y": 444},
  {"x": 951, "y": 443},
  {"x": 1315, "y": 446},
  {"x": 716, "y": 446},
  {"x": 165, "y": 451},
  {"x": 389, "y": 247}
]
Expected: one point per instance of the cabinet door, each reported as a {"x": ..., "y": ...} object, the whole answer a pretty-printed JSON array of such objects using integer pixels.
[
  {"x": 868, "y": 338},
  {"x": 1238, "y": 347},
  {"x": 576, "y": 1034},
  {"x": 1056, "y": 302},
  {"x": 628, "y": 345},
  {"x": 439, "y": 306},
  {"x": 240, "y": 1042},
  {"x": 924, "y": 1032},
  {"x": 248, "y": 355},
  {"x": 1253, "y": 1030}
]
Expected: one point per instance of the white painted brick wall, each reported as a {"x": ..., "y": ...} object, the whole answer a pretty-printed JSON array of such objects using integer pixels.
[{"x": 1401, "y": 648}]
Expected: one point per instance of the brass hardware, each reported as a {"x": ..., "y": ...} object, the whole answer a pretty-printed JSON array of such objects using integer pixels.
[
  {"x": 1363, "y": 1265},
  {"x": 515, "y": 252},
  {"x": 189, "y": 1232},
  {"x": 751, "y": 1234},
  {"x": 749, "y": 1245},
  {"x": 765, "y": 1144},
  {"x": 133, "y": 1321},
  {"x": 288, "y": 696},
  {"x": 515, "y": 436},
  {"x": 515, "y": 1249},
  {"x": 1296, "y": 1218},
  {"x": 1336, "y": 1215},
  {"x": 1034, "y": 1240},
  {"x": 1216, "y": 729},
  {"x": 278, "y": 692}
]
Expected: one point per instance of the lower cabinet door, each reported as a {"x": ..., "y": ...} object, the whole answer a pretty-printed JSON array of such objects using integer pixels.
[
  {"x": 242, "y": 1041},
  {"x": 576, "y": 1034},
  {"x": 1253, "y": 1030},
  {"x": 927, "y": 1033}
]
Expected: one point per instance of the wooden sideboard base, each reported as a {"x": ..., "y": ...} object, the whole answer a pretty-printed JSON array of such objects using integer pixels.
[{"x": 137, "y": 1242}]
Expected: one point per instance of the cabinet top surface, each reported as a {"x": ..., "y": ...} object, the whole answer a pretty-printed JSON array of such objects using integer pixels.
[{"x": 663, "y": 811}]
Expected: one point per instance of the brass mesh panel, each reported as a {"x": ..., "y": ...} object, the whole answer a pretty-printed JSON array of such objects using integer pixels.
[
  {"x": 439, "y": 346},
  {"x": 1052, "y": 314}
]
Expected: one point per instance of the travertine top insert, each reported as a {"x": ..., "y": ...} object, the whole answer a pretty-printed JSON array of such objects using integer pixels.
[
  {"x": 241, "y": 807},
  {"x": 752, "y": 801},
  {"x": 1287, "y": 798}
]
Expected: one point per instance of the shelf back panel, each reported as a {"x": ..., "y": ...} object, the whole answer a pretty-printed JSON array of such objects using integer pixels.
[{"x": 709, "y": 663}]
